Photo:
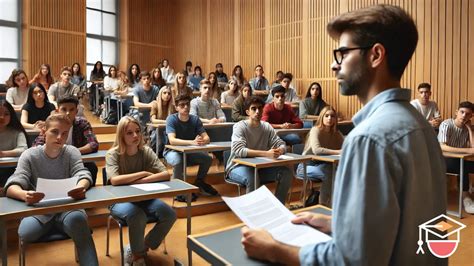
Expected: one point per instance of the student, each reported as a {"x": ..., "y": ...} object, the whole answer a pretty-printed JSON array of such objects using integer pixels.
[
  {"x": 78, "y": 78},
  {"x": 238, "y": 75},
  {"x": 157, "y": 78},
  {"x": 97, "y": 76},
  {"x": 80, "y": 135},
  {"x": 124, "y": 84},
  {"x": 429, "y": 109},
  {"x": 456, "y": 135},
  {"x": 54, "y": 160},
  {"x": 220, "y": 75},
  {"x": 323, "y": 138},
  {"x": 111, "y": 81},
  {"x": 17, "y": 92},
  {"x": 163, "y": 106},
  {"x": 188, "y": 69},
  {"x": 391, "y": 177},
  {"x": 181, "y": 86},
  {"x": 185, "y": 129},
  {"x": 290, "y": 92},
  {"x": 231, "y": 93},
  {"x": 207, "y": 108},
  {"x": 63, "y": 87},
  {"x": 133, "y": 75},
  {"x": 128, "y": 162},
  {"x": 37, "y": 107},
  {"x": 167, "y": 71},
  {"x": 144, "y": 93},
  {"x": 259, "y": 84},
  {"x": 278, "y": 77},
  {"x": 196, "y": 78},
  {"x": 313, "y": 103},
  {"x": 253, "y": 138},
  {"x": 216, "y": 91},
  {"x": 281, "y": 115},
  {"x": 238, "y": 110},
  {"x": 13, "y": 136},
  {"x": 43, "y": 76}
]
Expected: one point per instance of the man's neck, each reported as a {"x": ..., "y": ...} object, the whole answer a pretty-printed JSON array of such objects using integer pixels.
[
  {"x": 147, "y": 88},
  {"x": 253, "y": 122},
  {"x": 204, "y": 98},
  {"x": 458, "y": 123},
  {"x": 50, "y": 152},
  {"x": 376, "y": 88},
  {"x": 183, "y": 117},
  {"x": 64, "y": 83}
]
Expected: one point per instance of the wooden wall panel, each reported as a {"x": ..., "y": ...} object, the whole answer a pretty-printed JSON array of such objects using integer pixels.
[{"x": 221, "y": 36}]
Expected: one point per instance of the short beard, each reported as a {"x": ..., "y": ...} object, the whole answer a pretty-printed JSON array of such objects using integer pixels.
[{"x": 356, "y": 82}]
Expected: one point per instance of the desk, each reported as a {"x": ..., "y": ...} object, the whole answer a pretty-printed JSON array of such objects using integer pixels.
[
  {"x": 120, "y": 101},
  {"x": 462, "y": 157},
  {"x": 223, "y": 246},
  {"x": 334, "y": 160},
  {"x": 227, "y": 109},
  {"x": 91, "y": 157},
  {"x": 213, "y": 146},
  {"x": 286, "y": 131},
  {"x": 104, "y": 196}
]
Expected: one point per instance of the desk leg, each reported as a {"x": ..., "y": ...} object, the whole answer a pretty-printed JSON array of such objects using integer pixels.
[
  {"x": 305, "y": 183},
  {"x": 3, "y": 236},
  {"x": 157, "y": 139},
  {"x": 256, "y": 180},
  {"x": 184, "y": 166},
  {"x": 119, "y": 109},
  {"x": 461, "y": 183},
  {"x": 334, "y": 168},
  {"x": 188, "y": 225}
]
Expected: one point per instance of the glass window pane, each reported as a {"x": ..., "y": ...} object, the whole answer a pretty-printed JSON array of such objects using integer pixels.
[
  {"x": 93, "y": 48},
  {"x": 94, "y": 22},
  {"x": 6, "y": 69},
  {"x": 109, "y": 25},
  {"x": 9, "y": 45},
  {"x": 109, "y": 52},
  {"x": 93, "y": 4},
  {"x": 109, "y": 5},
  {"x": 89, "y": 70},
  {"x": 9, "y": 10}
]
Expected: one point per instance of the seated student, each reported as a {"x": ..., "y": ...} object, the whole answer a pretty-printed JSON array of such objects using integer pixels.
[
  {"x": 37, "y": 107},
  {"x": 43, "y": 76},
  {"x": 81, "y": 134},
  {"x": 252, "y": 138},
  {"x": 78, "y": 78},
  {"x": 220, "y": 75},
  {"x": 238, "y": 110},
  {"x": 290, "y": 92},
  {"x": 259, "y": 83},
  {"x": 188, "y": 68},
  {"x": 133, "y": 75},
  {"x": 281, "y": 115},
  {"x": 278, "y": 77},
  {"x": 54, "y": 160},
  {"x": 96, "y": 77},
  {"x": 456, "y": 135},
  {"x": 231, "y": 93},
  {"x": 207, "y": 108},
  {"x": 195, "y": 78},
  {"x": 17, "y": 85},
  {"x": 130, "y": 161},
  {"x": 13, "y": 136},
  {"x": 163, "y": 106},
  {"x": 157, "y": 78},
  {"x": 167, "y": 71},
  {"x": 323, "y": 138},
  {"x": 313, "y": 103},
  {"x": 238, "y": 75},
  {"x": 144, "y": 94},
  {"x": 429, "y": 109},
  {"x": 181, "y": 86},
  {"x": 185, "y": 129},
  {"x": 63, "y": 86},
  {"x": 111, "y": 81},
  {"x": 216, "y": 91}
]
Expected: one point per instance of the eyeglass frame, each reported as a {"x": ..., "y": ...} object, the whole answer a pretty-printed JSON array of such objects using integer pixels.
[{"x": 344, "y": 50}]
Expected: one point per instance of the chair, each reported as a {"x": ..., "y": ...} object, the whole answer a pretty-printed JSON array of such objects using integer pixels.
[
  {"x": 298, "y": 149},
  {"x": 226, "y": 177},
  {"x": 54, "y": 235}
]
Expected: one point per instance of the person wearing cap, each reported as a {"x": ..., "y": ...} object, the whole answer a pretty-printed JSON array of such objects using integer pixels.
[{"x": 391, "y": 176}]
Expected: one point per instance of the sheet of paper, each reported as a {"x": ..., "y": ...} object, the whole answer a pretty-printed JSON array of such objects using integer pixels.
[
  {"x": 261, "y": 209},
  {"x": 151, "y": 186},
  {"x": 55, "y": 189},
  {"x": 284, "y": 157}
]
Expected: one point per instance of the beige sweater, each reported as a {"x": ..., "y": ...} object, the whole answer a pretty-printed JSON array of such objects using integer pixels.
[{"x": 319, "y": 141}]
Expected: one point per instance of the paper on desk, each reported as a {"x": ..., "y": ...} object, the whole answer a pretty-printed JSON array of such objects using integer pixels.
[
  {"x": 284, "y": 157},
  {"x": 150, "y": 186},
  {"x": 54, "y": 189},
  {"x": 261, "y": 209}
]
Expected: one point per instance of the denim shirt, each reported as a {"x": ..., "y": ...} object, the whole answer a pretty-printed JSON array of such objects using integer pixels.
[{"x": 391, "y": 178}]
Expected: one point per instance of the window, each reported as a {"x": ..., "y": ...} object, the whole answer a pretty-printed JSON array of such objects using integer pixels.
[
  {"x": 10, "y": 33},
  {"x": 102, "y": 33}
]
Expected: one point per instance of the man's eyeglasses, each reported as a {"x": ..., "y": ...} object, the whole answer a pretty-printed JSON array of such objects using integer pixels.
[{"x": 341, "y": 52}]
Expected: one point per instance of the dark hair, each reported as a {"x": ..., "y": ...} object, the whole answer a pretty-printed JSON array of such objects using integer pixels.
[
  {"x": 65, "y": 68},
  {"x": 30, "y": 99},
  {"x": 279, "y": 72},
  {"x": 189, "y": 63},
  {"x": 278, "y": 89},
  {"x": 15, "y": 73},
  {"x": 68, "y": 99},
  {"x": 49, "y": 77},
  {"x": 287, "y": 76},
  {"x": 200, "y": 70},
  {"x": 424, "y": 85},
  {"x": 466, "y": 104},
  {"x": 116, "y": 72},
  {"x": 182, "y": 98},
  {"x": 144, "y": 74},
  {"x": 388, "y": 25},
  {"x": 79, "y": 73},
  {"x": 97, "y": 71},
  {"x": 253, "y": 100},
  {"x": 308, "y": 92},
  {"x": 131, "y": 78},
  {"x": 258, "y": 66},
  {"x": 15, "y": 123},
  {"x": 219, "y": 65},
  {"x": 241, "y": 78}
]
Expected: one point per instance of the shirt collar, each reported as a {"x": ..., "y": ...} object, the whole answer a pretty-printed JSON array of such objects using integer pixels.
[{"x": 389, "y": 95}]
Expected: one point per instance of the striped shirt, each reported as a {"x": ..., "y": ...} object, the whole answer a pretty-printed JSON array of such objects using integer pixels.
[
  {"x": 452, "y": 135},
  {"x": 207, "y": 109}
]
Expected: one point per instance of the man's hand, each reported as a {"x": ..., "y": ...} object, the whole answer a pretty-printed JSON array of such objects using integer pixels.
[
  {"x": 319, "y": 221},
  {"x": 199, "y": 141},
  {"x": 273, "y": 153},
  {"x": 77, "y": 193},
  {"x": 258, "y": 243},
  {"x": 33, "y": 197},
  {"x": 214, "y": 121},
  {"x": 286, "y": 125},
  {"x": 434, "y": 122}
]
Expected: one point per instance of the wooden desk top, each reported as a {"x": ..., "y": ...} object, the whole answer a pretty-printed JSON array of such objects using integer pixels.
[
  {"x": 142, "y": 108},
  {"x": 327, "y": 158},
  {"x": 91, "y": 157},
  {"x": 213, "y": 146},
  {"x": 264, "y": 162},
  {"x": 206, "y": 125},
  {"x": 465, "y": 156},
  {"x": 283, "y": 131}
]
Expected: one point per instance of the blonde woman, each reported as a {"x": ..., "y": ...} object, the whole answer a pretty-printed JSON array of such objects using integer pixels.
[
  {"x": 180, "y": 86},
  {"x": 163, "y": 106},
  {"x": 323, "y": 138},
  {"x": 129, "y": 161}
]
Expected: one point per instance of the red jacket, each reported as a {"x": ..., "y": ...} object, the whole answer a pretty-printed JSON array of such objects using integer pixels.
[{"x": 286, "y": 115}]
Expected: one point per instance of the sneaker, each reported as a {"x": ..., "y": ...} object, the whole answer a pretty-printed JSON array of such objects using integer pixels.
[
  {"x": 182, "y": 198},
  {"x": 205, "y": 188},
  {"x": 468, "y": 205},
  {"x": 128, "y": 256},
  {"x": 139, "y": 262}
]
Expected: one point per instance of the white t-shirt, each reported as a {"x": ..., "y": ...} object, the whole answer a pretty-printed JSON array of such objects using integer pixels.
[{"x": 428, "y": 111}]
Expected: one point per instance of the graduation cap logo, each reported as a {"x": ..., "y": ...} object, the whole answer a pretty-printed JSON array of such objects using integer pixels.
[{"x": 437, "y": 231}]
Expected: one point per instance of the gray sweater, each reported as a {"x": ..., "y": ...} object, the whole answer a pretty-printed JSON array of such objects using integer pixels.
[
  {"x": 244, "y": 137},
  {"x": 13, "y": 140}
]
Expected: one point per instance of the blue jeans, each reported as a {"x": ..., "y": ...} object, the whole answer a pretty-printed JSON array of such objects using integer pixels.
[
  {"x": 176, "y": 160},
  {"x": 282, "y": 174},
  {"x": 452, "y": 166},
  {"x": 308, "y": 124},
  {"x": 319, "y": 171},
  {"x": 137, "y": 214},
  {"x": 291, "y": 139},
  {"x": 74, "y": 224}
]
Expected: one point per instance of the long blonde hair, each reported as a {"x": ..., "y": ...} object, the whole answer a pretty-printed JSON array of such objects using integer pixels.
[
  {"x": 119, "y": 143},
  {"x": 323, "y": 112},
  {"x": 160, "y": 112}
]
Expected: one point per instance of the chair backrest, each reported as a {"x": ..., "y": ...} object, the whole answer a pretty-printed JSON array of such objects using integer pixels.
[
  {"x": 104, "y": 176},
  {"x": 298, "y": 148},
  {"x": 226, "y": 157}
]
